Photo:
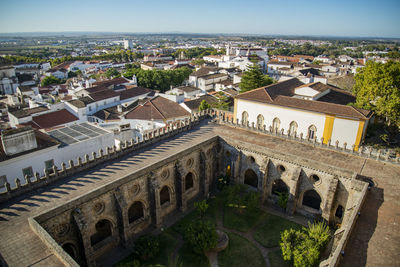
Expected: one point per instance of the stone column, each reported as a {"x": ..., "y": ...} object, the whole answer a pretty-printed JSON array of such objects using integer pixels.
[
  {"x": 181, "y": 201},
  {"x": 327, "y": 213},
  {"x": 122, "y": 216},
  {"x": 81, "y": 223},
  {"x": 293, "y": 197},
  {"x": 264, "y": 181},
  {"x": 155, "y": 208}
]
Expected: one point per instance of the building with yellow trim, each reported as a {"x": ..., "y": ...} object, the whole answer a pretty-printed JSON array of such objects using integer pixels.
[{"x": 314, "y": 110}]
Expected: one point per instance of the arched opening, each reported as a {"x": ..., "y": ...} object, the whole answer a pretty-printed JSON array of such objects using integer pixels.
[
  {"x": 312, "y": 132},
  {"x": 292, "y": 127},
  {"x": 276, "y": 123},
  {"x": 312, "y": 199},
  {"x": 314, "y": 178},
  {"x": 339, "y": 212},
  {"x": 135, "y": 211},
  {"x": 281, "y": 168},
  {"x": 245, "y": 118},
  {"x": 252, "y": 159},
  {"x": 103, "y": 230},
  {"x": 164, "y": 195},
  {"x": 251, "y": 178},
  {"x": 279, "y": 187},
  {"x": 70, "y": 249},
  {"x": 260, "y": 121},
  {"x": 188, "y": 181}
]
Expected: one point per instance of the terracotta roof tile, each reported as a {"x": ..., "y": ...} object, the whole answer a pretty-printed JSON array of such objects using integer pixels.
[{"x": 53, "y": 119}]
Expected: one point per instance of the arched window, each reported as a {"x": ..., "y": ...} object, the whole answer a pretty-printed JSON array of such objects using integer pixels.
[
  {"x": 251, "y": 178},
  {"x": 164, "y": 195},
  {"x": 312, "y": 131},
  {"x": 339, "y": 212},
  {"x": 279, "y": 186},
  {"x": 276, "y": 123},
  {"x": 260, "y": 121},
  {"x": 292, "y": 127},
  {"x": 312, "y": 199},
  {"x": 135, "y": 211},
  {"x": 103, "y": 230},
  {"x": 188, "y": 181},
  {"x": 245, "y": 118},
  {"x": 70, "y": 249}
]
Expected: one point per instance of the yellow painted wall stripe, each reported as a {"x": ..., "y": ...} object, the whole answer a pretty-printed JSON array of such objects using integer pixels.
[
  {"x": 235, "y": 110},
  {"x": 359, "y": 134},
  {"x": 328, "y": 128}
]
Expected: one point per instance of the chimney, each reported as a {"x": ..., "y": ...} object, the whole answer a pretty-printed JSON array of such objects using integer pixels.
[
  {"x": 119, "y": 109},
  {"x": 18, "y": 140}
]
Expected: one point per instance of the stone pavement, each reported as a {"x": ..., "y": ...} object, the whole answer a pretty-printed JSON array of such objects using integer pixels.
[{"x": 374, "y": 242}]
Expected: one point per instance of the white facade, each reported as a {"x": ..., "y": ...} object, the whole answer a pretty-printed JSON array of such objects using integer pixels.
[
  {"x": 344, "y": 130},
  {"x": 12, "y": 168}
]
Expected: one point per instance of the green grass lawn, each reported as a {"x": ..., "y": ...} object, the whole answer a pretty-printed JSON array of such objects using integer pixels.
[
  {"x": 190, "y": 259},
  {"x": 269, "y": 233},
  {"x": 276, "y": 260},
  {"x": 240, "y": 252},
  {"x": 241, "y": 221}
]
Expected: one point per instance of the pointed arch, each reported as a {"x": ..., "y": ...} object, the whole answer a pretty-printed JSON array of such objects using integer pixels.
[
  {"x": 293, "y": 127},
  {"x": 312, "y": 199},
  {"x": 276, "y": 124},
  {"x": 189, "y": 181},
  {"x": 251, "y": 178},
  {"x": 164, "y": 195},
  {"x": 260, "y": 121},
  {"x": 103, "y": 230},
  {"x": 279, "y": 186},
  {"x": 312, "y": 132},
  {"x": 135, "y": 211},
  {"x": 245, "y": 117}
]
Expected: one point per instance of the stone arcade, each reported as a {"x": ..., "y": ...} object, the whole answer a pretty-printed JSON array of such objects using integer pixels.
[{"x": 137, "y": 198}]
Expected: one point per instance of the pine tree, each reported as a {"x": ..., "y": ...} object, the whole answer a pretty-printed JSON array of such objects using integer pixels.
[{"x": 254, "y": 78}]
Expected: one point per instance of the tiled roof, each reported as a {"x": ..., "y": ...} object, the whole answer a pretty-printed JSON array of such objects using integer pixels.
[
  {"x": 158, "y": 108},
  {"x": 81, "y": 102},
  {"x": 281, "y": 94},
  {"x": 194, "y": 104},
  {"x": 203, "y": 71},
  {"x": 53, "y": 119},
  {"x": 213, "y": 76},
  {"x": 115, "y": 81},
  {"x": 134, "y": 92},
  {"x": 318, "y": 86},
  {"x": 105, "y": 94},
  {"x": 188, "y": 89}
]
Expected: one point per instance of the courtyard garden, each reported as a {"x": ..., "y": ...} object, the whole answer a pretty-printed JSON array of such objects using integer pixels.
[{"x": 254, "y": 236}]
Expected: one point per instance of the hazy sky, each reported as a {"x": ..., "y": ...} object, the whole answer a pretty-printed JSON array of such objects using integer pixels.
[{"x": 308, "y": 17}]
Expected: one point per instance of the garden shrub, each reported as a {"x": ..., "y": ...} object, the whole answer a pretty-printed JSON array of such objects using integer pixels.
[
  {"x": 147, "y": 247},
  {"x": 201, "y": 236}
]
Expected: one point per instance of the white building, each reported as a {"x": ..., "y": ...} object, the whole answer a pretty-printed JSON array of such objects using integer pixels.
[
  {"x": 25, "y": 151},
  {"x": 8, "y": 80},
  {"x": 314, "y": 110}
]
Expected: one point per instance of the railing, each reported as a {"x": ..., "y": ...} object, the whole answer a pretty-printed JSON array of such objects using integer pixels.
[
  {"x": 377, "y": 154},
  {"x": 88, "y": 162}
]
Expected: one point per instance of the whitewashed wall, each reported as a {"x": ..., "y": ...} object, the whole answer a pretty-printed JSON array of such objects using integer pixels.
[
  {"x": 12, "y": 168},
  {"x": 344, "y": 131},
  {"x": 304, "y": 119}
]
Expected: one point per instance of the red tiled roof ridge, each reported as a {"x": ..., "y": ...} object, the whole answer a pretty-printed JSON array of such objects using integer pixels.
[{"x": 151, "y": 100}]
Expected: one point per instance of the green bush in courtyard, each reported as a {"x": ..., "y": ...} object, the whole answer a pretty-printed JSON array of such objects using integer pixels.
[
  {"x": 147, "y": 247},
  {"x": 201, "y": 236},
  {"x": 303, "y": 247}
]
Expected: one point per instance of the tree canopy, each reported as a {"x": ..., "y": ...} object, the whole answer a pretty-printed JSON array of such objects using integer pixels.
[
  {"x": 158, "y": 79},
  {"x": 50, "y": 80},
  {"x": 254, "y": 78},
  {"x": 377, "y": 88}
]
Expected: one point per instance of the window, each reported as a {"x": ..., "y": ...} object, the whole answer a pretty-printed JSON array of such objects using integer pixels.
[
  {"x": 260, "y": 121},
  {"x": 3, "y": 180},
  {"x": 27, "y": 172},
  {"x": 188, "y": 181},
  {"x": 276, "y": 123},
  {"x": 164, "y": 195},
  {"x": 135, "y": 212},
  {"x": 292, "y": 127},
  {"x": 90, "y": 108},
  {"x": 48, "y": 164},
  {"x": 103, "y": 230},
  {"x": 245, "y": 118},
  {"x": 312, "y": 130}
]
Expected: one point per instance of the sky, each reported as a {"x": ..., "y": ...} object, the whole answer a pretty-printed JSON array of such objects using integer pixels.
[{"x": 359, "y": 18}]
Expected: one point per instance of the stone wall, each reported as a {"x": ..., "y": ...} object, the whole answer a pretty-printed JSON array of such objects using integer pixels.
[
  {"x": 117, "y": 213},
  {"x": 25, "y": 184}
]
